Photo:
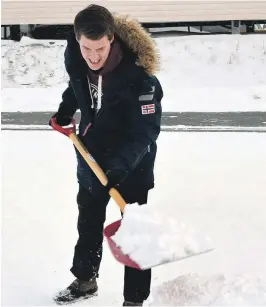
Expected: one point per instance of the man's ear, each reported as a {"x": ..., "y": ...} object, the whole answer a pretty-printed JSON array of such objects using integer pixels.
[{"x": 112, "y": 39}]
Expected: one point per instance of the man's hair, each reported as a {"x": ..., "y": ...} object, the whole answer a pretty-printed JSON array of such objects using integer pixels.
[{"x": 94, "y": 22}]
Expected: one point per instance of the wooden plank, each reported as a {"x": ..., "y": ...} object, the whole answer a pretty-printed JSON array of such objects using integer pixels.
[
  {"x": 58, "y": 12},
  {"x": 144, "y": 7}
]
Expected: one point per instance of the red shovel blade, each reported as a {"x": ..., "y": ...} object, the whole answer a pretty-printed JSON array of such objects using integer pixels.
[{"x": 109, "y": 231}]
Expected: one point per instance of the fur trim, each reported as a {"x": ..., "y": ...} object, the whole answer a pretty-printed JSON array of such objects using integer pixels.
[{"x": 139, "y": 41}]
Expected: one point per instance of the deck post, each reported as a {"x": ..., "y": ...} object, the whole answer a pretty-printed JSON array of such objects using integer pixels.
[{"x": 235, "y": 26}]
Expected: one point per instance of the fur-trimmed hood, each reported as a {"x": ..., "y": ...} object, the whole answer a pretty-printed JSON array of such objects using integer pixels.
[{"x": 137, "y": 39}]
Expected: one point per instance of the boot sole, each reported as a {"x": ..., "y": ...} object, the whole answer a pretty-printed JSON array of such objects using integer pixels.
[{"x": 81, "y": 298}]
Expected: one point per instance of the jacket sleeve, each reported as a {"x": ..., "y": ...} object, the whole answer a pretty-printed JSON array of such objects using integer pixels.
[
  {"x": 69, "y": 104},
  {"x": 73, "y": 64},
  {"x": 143, "y": 126}
]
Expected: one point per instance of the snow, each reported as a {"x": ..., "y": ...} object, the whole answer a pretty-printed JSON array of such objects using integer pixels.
[
  {"x": 219, "y": 290},
  {"x": 31, "y": 99},
  {"x": 213, "y": 181},
  {"x": 151, "y": 239},
  {"x": 199, "y": 73}
]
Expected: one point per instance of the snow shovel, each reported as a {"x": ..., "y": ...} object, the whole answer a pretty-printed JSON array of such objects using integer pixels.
[{"x": 111, "y": 229}]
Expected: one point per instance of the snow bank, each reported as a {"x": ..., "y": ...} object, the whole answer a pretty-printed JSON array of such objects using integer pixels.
[
  {"x": 150, "y": 238},
  {"x": 33, "y": 64},
  {"x": 31, "y": 99},
  {"x": 198, "y": 73}
]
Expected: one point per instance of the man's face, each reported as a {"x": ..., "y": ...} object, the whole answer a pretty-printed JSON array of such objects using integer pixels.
[{"x": 95, "y": 52}]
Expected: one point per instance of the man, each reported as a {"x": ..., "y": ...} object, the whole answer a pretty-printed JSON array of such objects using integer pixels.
[{"x": 111, "y": 62}]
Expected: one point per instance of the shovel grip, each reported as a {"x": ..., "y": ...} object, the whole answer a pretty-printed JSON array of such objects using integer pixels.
[{"x": 64, "y": 130}]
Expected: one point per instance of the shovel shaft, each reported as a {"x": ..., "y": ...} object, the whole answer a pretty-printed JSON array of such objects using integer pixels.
[
  {"x": 89, "y": 159},
  {"x": 97, "y": 170}
]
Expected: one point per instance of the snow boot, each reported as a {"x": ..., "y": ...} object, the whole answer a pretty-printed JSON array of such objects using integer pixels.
[
  {"x": 126, "y": 303},
  {"x": 78, "y": 290}
]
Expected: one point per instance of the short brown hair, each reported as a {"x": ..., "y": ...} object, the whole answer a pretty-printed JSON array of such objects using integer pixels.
[{"x": 94, "y": 22}]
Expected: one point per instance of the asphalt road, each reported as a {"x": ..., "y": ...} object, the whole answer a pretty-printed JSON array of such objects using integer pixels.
[{"x": 171, "y": 121}]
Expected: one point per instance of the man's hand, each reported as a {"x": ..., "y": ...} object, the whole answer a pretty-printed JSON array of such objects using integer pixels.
[
  {"x": 61, "y": 120},
  {"x": 115, "y": 177}
]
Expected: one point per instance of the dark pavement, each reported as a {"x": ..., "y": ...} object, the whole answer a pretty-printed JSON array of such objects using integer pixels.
[{"x": 171, "y": 121}]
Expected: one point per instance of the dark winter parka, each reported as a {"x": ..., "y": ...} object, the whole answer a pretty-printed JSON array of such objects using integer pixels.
[{"x": 122, "y": 135}]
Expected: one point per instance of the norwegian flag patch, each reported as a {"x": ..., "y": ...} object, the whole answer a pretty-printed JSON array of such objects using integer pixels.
[{"x": 148, "y": 109}]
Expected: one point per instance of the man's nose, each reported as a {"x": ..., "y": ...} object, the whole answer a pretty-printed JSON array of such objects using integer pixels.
[{"x": 94, "y": 56}]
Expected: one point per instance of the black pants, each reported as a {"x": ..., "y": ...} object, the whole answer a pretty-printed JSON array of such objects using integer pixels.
[{"x": 88, "y": 250}]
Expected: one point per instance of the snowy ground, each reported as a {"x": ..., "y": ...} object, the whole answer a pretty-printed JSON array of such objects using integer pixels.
[
  {"x": 212, "y": 181},
  {"x": 199, "y": 73}
]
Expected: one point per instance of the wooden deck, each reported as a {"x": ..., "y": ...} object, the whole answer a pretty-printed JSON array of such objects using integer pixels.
[{"x": 63, "y": 12}]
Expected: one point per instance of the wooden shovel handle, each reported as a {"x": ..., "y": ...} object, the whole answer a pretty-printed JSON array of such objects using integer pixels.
[
  {"x": 88, "y": 158},
  {"x": 97, "y": 170},
  {"x": 71, "y": 133}
]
